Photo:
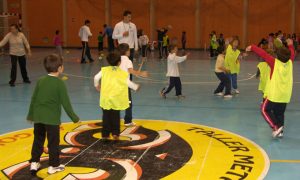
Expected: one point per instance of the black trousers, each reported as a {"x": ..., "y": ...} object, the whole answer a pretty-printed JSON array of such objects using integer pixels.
[
  {"x": 165, "y": 51},
  {"x": 183, "y": 45},
  {"x": 128, "y": 111},
  {"x": 111, "y": 123},
  {"x": 174, "y": 82},
  {"x": 131, "y": 56},
  {"x": 22, "y": 64},
  {"x": 144, "y": 50},
  {"x": 100, "y": 46},
  {"x": 86, "y": 52},
  {"x": 110, "y": 42},
  {"x": 225, "y": 83},
  {"x": 160, "y": 49},
  {"x": 41, "y": 131},
  {"x": 273, "y": 113}
]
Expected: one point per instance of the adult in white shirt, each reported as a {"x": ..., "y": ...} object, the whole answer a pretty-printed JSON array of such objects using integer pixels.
[
  {"x": 126, "y": 32},
  {"x": 18, "y": 45},
  {"x": 85, "y": 34}
]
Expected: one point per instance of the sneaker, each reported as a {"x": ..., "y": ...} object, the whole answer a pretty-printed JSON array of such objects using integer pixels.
[
  {"x": 27, "y": 81},
  {"x": 34, "y": 167},
  {"x": 162, "y": 94},
  {"x": 92, "y": 60},
  {"x": 83, "y": 62},
  {"x": 181, "y": 97},
  {"x": 228, "y": 96},
  {"x": 219, "y": 94},
  {"x": 275, "y": 133},
  {"x": 236, "y": 91},
  {"x": 52, "y": 170},
  {"x": 280, "y": 135},
  {"x": 130, "y": 124}
]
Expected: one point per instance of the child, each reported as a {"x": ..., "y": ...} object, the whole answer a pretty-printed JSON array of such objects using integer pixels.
[
  {"x": 232, "y": 62},
  {"x": 45, "y": 110},
  {"x": 271, "y": 42},
  {"x": 263, "y": 73},
  {"x": 165, "y": 44},
  {"x": 113, "y": 95},
  {"x": 58, "y": 43},
  {"x": 100, "y": 42},
  {"x": 183, "y": 40},
  {"x": 126, "y": 65},
  {"x": 278, "y": 43},
  {"x": 221, "y": 41},
  {"x": 221, "y": 73},
  {"x": 173, "y": 72},
  {"x": 143, "y": 43},
  {"x": 213, "y": 44},
  {"x": 279, "y": 88}
]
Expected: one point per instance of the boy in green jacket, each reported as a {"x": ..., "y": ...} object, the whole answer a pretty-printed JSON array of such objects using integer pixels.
[{"x": 45, "y": 111}]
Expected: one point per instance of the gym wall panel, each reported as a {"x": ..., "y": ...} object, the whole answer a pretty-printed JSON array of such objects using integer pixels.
[
  {"x": 224, "y": 16},
  {"x": 298, "y": 18},
  {"x": 266, "y": 17},
  {"x": 80, "y": 10},
  {"x": 14, "y": 6},
  {"x": 43, "y": 19},
  {"x": 180, "y": 15},
  {"x": 139, "y": 9}
]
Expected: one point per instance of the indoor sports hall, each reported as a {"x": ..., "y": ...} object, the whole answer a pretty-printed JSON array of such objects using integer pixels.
[{"x": 150, "y": 89}]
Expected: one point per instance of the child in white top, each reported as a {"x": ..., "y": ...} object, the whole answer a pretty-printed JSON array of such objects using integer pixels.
[
  {"x": 126, "y": 65},
  {"x": 173, "y": 72},
  {"x": 143, "y": 43}
]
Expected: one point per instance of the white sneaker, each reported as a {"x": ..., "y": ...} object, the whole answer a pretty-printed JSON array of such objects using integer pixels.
[
  {"x": 280, "y": 135},
  {"x": 130, "y": 124},
  {"x": 181, "y": 97},
  {"x": 219, "y": 94},
  {"x": 228, "y": 96},
  {"x": 275, "y": 133},
  {"x": 35, "y": 166},
  {"x": 52, "y": 170},
  {"x": 236, "y": 91}
]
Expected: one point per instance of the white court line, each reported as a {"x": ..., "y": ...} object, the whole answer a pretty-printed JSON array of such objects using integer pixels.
[
  {"x": 205, "y": 157},
  {"x": 82, "y": 152}
]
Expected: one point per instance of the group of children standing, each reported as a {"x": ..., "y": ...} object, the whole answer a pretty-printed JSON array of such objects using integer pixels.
[
  {"x": 227, "y": 68},
  {"x": 276, "y": 83},
  {"x": 114, "y": 84},
  {"x": 276, "y": 78}
]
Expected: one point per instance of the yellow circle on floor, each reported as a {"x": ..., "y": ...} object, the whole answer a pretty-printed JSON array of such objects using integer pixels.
[{"x": 154, "y": 149}]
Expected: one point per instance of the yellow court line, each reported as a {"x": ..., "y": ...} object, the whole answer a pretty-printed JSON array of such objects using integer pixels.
[{"x": 284, "y": 161}]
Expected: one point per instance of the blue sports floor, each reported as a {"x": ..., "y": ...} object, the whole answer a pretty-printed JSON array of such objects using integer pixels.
[{"x": 240, "y": 115}]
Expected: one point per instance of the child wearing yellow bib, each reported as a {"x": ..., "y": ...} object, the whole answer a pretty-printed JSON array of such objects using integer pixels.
[
  {"x": 263, "y": 73},
  {"x": 279, "y": 87},
  {"x": 232, "y": 62},
  {"x": 113, "y": 94}
]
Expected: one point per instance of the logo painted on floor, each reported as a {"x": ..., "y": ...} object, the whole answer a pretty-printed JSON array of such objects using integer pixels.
[{"x": 152, "y": 150}]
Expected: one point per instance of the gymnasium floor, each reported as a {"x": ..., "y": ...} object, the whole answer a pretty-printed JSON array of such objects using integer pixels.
[{"x": 240, "y": 115}]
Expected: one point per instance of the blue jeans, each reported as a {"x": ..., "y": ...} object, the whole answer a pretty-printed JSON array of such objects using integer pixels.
[{"x": 233, "y": 79}]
